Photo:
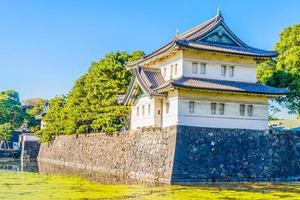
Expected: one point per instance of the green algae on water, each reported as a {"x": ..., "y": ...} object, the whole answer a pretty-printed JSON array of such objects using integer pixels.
[{"x": 36, "y": 186}]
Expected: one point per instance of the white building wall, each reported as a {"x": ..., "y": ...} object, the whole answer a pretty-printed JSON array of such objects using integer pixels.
[
  {"x": 242, "y": 72},
  {"x": 179, "y": 113},
  {"x": 146, "y": 119},
  {"x": 202, "y": 116},
  {"x": 170, "y": 118},
  {"x": 166, "y": 67}
]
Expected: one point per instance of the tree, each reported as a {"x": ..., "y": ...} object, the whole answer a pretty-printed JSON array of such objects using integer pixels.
[
  {"x": 285, "y": 70},
  {"x": 91, "y": 105},
  {"x": 11, "y": 96},
  {"x": 53, "y": 119},
  {"x": 6, "y": 131},
  {"x": 12, "y": 114},
  {"x": 35, "y": 106}
]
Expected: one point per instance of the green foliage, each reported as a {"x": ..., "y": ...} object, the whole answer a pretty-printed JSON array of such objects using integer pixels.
[
  {"x": 54, "y": 120},
  {"x": 6, "y": 131},
  {"x": 12, "y": 114},
  {"x": 91, "y": 105},
  {"x": 10, "y": 96},
  {"x": 35, "y": 106},
  {"x": 11, "y": 110},
  {"x": 285, "y": 70}
]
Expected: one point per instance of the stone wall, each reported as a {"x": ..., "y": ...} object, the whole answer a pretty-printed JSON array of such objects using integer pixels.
[
  {"x": 181, "y": 154},
  {"x": 144, "y": 155},
  {"x": 210, "y": 154},
  {"x": 30, "y": 150}
]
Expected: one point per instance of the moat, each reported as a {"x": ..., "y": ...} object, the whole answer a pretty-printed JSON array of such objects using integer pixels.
[{"x": 26, "y": 181}]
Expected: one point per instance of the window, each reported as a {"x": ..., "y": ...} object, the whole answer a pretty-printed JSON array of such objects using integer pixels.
[
  {"x": 242, "y": 109},
  {"x": 250, "y": 110},
  {"x": 137, "y": 111},
  {"x": 194, "y": 68},
  {"x": 231, "y": 71},
  {"x": 149, "y": 109},
  {"x": 191, "y": 106},
  {"x": 223, "y": 70},
  {"x": 165, "y": 72},
  {"x": 167, "y": 108},
  {"x": 172, "y": 70},
  {"x": 213, "y": 108},
  {"x": 203, "y": 68},
  {"x": 143, "y": 110},
  {"x": 222, "y": 109},
  {"x": 175, "y": 69}
]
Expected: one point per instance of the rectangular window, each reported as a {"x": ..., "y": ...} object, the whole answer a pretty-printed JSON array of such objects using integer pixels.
[
  {"x": 194, "y": 68},
  {"x": 172, "y": 71},
  {"x": 250, "y": 110},
  {"x": 231, "y": 71},
  {"x": 138, "y": 111},
  {"x": 213, "y": 107},
  {"x": 167, "y": 108},
  {"x": 222, "y": 109},
  {"x": 165, "y": 72},
  {"x": 242, "y": 109},
  {"x": 149, "y": 109},
  {"x": 143, "y": 110},
  {"x": 191, "y": 106},
  {"x": 223, "y": 70},
  {"x": 175, "y": 69},
  {"x": 203, "y": 68}
]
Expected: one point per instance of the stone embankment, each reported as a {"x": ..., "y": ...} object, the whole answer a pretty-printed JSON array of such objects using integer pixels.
[
  {"x": 181, "y": 154},
  {"x": 144, "y": 155}
]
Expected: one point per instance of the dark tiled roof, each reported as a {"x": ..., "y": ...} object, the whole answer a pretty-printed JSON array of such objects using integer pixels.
[
  {"x": 152, "y": 83},
  {"x": 212, "y": 35},
  {"x": 228, "y": 49},
  {"x": 155, "y": 53},
  {"x": 149, "y": 79},
  {"x": 154, "y": 76},
  {"x": 222, "y": 85}
]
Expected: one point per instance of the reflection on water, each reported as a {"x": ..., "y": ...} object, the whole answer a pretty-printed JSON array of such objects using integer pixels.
[
  {"x": 46, "y": 185},
  {"x": 94, "y": 176},
  {"x": 18, "y": 165}
]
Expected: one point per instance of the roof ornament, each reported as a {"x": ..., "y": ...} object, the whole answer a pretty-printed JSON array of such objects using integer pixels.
[
  {"x": 219, "y": 14},
  {"x": 176, "y": 34}
]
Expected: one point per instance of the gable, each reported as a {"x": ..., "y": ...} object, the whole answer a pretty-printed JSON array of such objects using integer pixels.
[
  {"x": 133, "y": 92},
  {"x": 220, "y": 35}
]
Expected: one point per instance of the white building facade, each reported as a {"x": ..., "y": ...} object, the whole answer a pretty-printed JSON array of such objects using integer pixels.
[{"x": 205, "y": 77}]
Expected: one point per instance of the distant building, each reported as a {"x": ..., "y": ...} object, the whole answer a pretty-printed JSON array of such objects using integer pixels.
[
  {"x": 39, "y": 118},
  {"x": 15, "y": 141},
  {"x": 204, "y": 77}
]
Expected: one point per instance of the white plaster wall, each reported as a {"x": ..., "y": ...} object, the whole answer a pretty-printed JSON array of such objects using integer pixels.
[
  {"x": 242, "y": 72},
  {"x": 202, "y": 116},
  {"x": 170, "y": 118},
  {"x": 179, "y": 114},
  {"x": 167, "y": 65},
  {"x": 158, "y": 112},
  {"x": 146, "y": 119}
]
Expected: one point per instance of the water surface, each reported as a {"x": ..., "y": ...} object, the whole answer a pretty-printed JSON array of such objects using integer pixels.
[{"x": 33, "y": 185}]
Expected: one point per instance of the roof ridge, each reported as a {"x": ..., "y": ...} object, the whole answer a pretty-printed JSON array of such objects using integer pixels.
[
  {"x": 149, "y": 69},
  {"x": 228, "y": 49},
  {"x": 199, "y": 26},
  {"x": 197, "y": 34},
  {"x": 222, "y": 80}
]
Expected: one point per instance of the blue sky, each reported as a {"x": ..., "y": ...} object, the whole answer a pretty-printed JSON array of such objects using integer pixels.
[{"x": 47, "y": 45}]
